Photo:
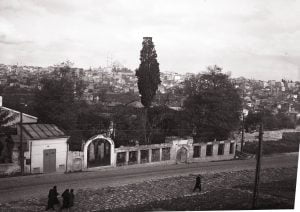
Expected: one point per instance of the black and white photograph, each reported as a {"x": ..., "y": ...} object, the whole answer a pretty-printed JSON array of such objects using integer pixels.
[{"x": 149, "y": 105}]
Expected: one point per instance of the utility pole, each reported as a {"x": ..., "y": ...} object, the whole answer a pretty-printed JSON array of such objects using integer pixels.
[
  {"x": 243, "y": 131},
  {"x": 258, "y": 165},
  {"x": 0, "y": 114},
  {"x": 21, "y": 144},
  {"x": 243, "y": 120},
  {"x": 21, "y": 138}
]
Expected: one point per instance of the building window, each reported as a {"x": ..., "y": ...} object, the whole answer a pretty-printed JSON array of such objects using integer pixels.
[
  {"x": 155, "y": 155},
  {"x": 121, "y": 158},
  {"x": 166, "y": 153},
  {"x": 209, "y": 149},
  {"x": 231, "y": 148},
  {"x": 145, "y": 156},
  {"x": 197, "y": 150},
  {"x": 28, "y": 161},
  {"x": 132, "y": 157},
  {"x": 221, "y": 149}
]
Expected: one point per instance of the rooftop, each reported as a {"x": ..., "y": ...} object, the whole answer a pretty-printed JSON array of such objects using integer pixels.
[{"x": 42, "y": 131}]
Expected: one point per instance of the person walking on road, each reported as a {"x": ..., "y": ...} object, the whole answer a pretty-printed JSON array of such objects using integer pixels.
[
  {"x": 55, "y": 194},
  {"x": 52, "y": 198},
  {"x": 198, "y": 183},
  {"x": 72, "y": 197},
  {"x": 66, "y": 199}
]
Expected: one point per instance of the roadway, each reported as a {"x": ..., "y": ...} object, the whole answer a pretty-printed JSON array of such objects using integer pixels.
[{"x": 18, "y": 188}]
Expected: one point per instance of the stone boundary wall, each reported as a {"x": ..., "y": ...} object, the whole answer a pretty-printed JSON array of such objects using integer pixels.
[
  {"x": 176, "y": 150},
  {"x": 144, "y": 154},
  {"x": 75, "y": 161},
  {"x": 226, "y": 152}
]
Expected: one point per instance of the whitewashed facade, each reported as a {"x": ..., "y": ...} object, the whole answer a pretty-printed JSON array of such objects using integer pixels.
[
  {"x": 35, "y": 156},
  {"x": 45, "y": 148}
]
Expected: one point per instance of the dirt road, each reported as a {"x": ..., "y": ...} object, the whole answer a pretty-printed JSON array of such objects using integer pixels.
[{"x": 18, "y": 188}]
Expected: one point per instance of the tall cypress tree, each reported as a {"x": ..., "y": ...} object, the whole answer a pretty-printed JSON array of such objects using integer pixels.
[{"x": 148, "y": 76}]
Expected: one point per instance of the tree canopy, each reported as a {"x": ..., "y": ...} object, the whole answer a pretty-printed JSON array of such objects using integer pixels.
[
  {"x": 55, "y": 100},
  {"x": 270, "y": 121},
  {"x": 213, "y": 104},
  {"x": 148, "y": 79},
  {"x": 148, "y": 73},
  {"x": 58, "y": 102}
]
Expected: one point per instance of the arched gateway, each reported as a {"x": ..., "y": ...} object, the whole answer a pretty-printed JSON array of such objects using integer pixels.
[
  {"x": 99, "y": 151},
  {"x": 182, "y": 155}
]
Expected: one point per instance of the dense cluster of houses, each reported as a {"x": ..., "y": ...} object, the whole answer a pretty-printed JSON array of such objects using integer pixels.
[{"x": 106, "y": 84}]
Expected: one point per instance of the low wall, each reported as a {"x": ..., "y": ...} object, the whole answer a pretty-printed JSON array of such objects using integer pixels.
[
  {"x": 145, "y": 154},
  {"x": 9, "y": 168},
  {"x": 226, "y": 152},
  {"x": 75, "y": 161},
  {"x": 176, "y": 150}
]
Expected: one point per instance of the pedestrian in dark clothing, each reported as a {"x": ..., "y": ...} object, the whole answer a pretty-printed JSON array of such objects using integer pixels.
[
  {"x": 72, "y": 197},
  {"x": 50, "y": 204},
  {"x": 198, "y": 183},
  {"x": 52, "y": 198},
  {"x": 66, "y": 199}
]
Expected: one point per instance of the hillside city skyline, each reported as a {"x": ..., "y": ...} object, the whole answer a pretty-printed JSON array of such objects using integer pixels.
[
  {"x": 109, "y": 66},
  {"x": 248, "y": 38}
]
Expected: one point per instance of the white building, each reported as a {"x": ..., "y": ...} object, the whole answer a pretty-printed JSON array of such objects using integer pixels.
[{"x": 45, "y": 148}]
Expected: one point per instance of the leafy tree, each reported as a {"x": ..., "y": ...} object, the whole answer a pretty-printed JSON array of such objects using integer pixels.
[
  {"x": 148, "y": 73},
  {"x": 148, "y": 77},
  {"x": 91, "y": 121},
  {"x": 58, "y": 102},
  {"x": 128, "y": 125},
  {"x": 213, "y": 104},
  {"x": 252, "y": 120},
  {"x": 164, "y": 121},
  {"x": 55, "y": 101},
  {"x": 270, "y": 121},
  {"x": 14, "y": 96},
  {"x": 285, "y": 121}
]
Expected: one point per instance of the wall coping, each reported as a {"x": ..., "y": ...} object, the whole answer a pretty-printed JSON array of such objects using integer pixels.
[{"x": 142, "y": 147}]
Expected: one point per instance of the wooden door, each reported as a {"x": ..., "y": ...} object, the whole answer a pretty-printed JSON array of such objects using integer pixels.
[{"x": 49, "y": 160}]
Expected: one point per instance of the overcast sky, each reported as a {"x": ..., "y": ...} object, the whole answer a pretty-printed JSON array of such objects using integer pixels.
[{"x": 252, "y": 38}]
